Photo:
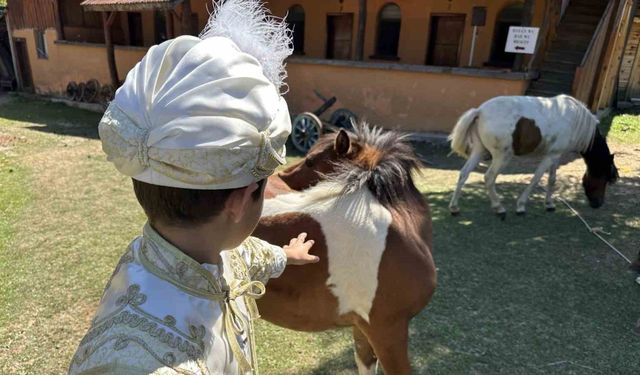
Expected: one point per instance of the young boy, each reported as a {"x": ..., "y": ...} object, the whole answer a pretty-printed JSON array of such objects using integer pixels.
[{"x": 199, "y": 124}]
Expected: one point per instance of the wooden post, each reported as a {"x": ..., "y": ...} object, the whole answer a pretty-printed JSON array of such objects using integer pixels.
[
  {"x": 168, "y": 15},
  {"x": 610, "y": 78},
  {"x": 59, "y": 24},
  {"x": 14, "y": 55},
  {"x": 634, "y": 7},
  {"x": 603, "y": 67},
  {"x": 186, "y": 18},
  {"x": 527, "y": 18},
  {"x": 107, "y": 21},
  {"x": 362, "y": 25}
]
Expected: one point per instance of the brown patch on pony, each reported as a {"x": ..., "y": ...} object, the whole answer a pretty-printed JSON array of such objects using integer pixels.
[
  {"x": 276, "y": 186},
  {"x": 300, "y": 292},
  {"x": 369, "y": 157},
  {"x": 526, "y": 137}
]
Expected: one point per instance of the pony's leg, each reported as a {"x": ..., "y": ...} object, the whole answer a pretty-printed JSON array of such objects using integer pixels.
[
  {"x": 469, "y": 166},
  {"x": 499, "y": 161},
  {"x": 365, "y": 357},
  {"x": 390, "y": 342},
  {"x": 542, "y": 167},
  {"x": 549, "y": 205}
]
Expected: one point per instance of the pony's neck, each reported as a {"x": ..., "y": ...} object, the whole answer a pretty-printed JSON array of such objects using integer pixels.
[{"x": 595, "y": 154}]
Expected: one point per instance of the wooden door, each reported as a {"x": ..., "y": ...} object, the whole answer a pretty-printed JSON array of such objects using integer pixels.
[
  {"x": 339, "y": 36},
  {"x": 24, "y": 68},
  {"x": 445, "y": 39}
]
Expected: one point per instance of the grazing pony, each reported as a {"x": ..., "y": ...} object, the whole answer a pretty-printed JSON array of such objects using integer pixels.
[
  {"x": 532, "y": 127},
  {"x": 355, "y": 196}
]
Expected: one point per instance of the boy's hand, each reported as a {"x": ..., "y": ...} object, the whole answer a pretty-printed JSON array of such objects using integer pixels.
[{"x": 298, "y": 251}]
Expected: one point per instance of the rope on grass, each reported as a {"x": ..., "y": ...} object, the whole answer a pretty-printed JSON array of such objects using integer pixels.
[{"x": 595, "y": 231}]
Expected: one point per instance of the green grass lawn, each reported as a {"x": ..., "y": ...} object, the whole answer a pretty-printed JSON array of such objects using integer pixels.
[
  {"x": 531, "y": 295},
  {"x": 623, "y": 127}
]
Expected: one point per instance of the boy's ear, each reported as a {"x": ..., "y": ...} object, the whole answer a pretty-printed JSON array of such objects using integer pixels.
[{"x": 238, "y": 202}]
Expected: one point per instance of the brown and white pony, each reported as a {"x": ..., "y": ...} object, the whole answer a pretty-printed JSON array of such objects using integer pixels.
[
  {"x": 355, "y": 196},
  {"x": 530, "y": 127}
]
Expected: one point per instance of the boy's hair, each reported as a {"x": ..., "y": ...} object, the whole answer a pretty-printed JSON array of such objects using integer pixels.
[{"x": 180, "y": 207}]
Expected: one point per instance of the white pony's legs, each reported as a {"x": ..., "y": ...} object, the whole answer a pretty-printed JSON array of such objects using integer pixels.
[
  {"x": 499, "y": 161},
  {"x": 544, "y": 166},
  {"x": 469, "y": 166},
  {"x": 548, "y": 203}
]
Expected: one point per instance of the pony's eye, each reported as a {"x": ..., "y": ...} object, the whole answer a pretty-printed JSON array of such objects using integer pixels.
[{"x": 308, "y": 162}]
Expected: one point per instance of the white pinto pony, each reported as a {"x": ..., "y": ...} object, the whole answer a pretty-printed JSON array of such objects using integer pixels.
[{"x": 532, "y": 127}]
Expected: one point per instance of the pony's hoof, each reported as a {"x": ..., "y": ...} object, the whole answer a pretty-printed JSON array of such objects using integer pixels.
[
  {"x": 455, "y": 213},
  {"x": 551, "y": 209},
  {"x": 502, "y": 215},
  {"x": 521, "y": 213}
]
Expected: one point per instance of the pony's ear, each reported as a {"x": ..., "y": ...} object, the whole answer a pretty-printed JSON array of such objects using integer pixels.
[{"x": 343, "y": 143}]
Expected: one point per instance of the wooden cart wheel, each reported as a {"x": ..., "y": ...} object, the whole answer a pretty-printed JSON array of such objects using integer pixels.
[
  {"x": 81, "y": 88},
  {"x": 72, "y": 90},
  {"x": 307, "y": 129},
  {"x": 343, "y": 118},
  {"x": 106, "y": 94},
  {"x": 91, "y": 91}
]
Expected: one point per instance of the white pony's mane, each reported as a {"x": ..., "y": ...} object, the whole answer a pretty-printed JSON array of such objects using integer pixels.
[{"x": 584, "y": 125}]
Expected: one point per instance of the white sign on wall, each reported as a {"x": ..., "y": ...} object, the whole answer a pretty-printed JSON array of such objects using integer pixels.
[{"x": 522, "y": 39}]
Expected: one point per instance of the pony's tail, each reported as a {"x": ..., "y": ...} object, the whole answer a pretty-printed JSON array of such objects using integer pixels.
[{"x": 461, "y": 136}]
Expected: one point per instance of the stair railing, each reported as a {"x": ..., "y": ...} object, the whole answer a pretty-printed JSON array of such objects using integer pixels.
[
  {"x": 548, "y": 31},
  {"x": 583, "y": 81}
]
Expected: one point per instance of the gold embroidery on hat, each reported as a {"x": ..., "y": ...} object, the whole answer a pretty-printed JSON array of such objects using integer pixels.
[{"x": 268, "y": 159}]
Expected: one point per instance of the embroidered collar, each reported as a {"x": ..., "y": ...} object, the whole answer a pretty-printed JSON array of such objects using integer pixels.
[{"x": 166, "y": 261}]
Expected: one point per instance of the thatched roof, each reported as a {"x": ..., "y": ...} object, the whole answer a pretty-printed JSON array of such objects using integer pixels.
[{"x": 128, "y": 5}]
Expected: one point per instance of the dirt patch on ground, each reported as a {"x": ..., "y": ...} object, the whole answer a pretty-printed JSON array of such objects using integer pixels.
[{"x": 7, "y": 141}]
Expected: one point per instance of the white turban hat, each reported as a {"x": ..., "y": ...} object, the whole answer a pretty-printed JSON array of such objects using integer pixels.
[{"x": 205, "y": 113}]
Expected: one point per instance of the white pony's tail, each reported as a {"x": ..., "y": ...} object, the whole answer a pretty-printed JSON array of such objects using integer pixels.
[{"x": 462, "y": 137}]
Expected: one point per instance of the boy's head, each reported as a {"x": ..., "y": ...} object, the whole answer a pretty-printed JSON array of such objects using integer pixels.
[
  {"x": 238, "y": 210},
  {"x": 200, "y": 121}
]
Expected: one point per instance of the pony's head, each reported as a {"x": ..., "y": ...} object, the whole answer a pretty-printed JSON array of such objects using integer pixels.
[
  {"x": 595, "y": 181},
  {"x": 369, "y": 158},
  {"x": 601, "y": 171}
]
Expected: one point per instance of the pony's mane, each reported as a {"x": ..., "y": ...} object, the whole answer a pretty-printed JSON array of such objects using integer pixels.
[
  {"x": 388, "y": 171},
  {"x": 584, "y": 125}
]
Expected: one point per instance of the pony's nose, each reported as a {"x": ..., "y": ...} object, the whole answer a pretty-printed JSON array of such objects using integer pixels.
[{"x": 596, "y": 203}]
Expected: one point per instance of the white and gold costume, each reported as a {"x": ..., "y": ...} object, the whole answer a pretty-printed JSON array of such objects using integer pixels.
[
  {"x": 196, "y": 113},
  {"x": 164, "y": 313}
]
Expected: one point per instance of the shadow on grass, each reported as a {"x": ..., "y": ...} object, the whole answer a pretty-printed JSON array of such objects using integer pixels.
[
  {"x": 531, "y": 295},
  {"x": 51, "y": 117}
]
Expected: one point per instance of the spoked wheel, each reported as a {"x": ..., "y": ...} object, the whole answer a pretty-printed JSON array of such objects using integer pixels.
[
  {"x": 307, "y": 129},
  {"x": 72, "y": 91},
  {"x": 343, "y": 118},
  {"x": 106, "y": 94},
  {"x": 81, "y": 89},
  {"x": 91, "y": 91}
]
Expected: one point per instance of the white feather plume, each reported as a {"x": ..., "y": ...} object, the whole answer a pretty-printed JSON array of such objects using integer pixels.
[{"x": 256, "y": 32}]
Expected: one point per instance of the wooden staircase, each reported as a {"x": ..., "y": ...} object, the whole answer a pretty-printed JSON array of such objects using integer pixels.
[{"x": 577, "y": 28}]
